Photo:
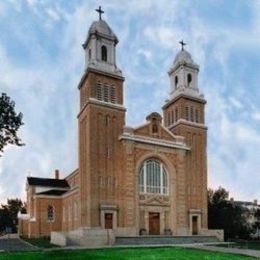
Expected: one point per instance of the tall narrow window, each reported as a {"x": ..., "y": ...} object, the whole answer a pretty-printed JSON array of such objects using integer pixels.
[
  {"x": 197, "y": 116},
  {"x": 187, "y": 113},
  {"x": 176, "y": 114},
  {"x": 154, "y": 128},
  {"x": 89, "y": 54},
  {"x": 176, "y": 81},
  {"x": 112, "y": 95},
  {"x": 50, "y": 213},
  {"x": 106, "y": 91},
  {"x": 191, "y": 114},
  {"x": 104, "y": 53},
  {"x": 107, "y": 119},
  {"x": 189, "y": 79},
  {"x": 99, "y": 91}
]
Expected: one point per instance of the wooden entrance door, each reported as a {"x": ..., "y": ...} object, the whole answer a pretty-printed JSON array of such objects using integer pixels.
[
  {"x": 194, "y": 225},
  {"x": 108, "y": 221},
  {"x": 154, "y": 223}
]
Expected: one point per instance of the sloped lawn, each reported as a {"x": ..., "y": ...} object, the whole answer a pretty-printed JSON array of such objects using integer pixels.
[{"x": 125, "y": 253}]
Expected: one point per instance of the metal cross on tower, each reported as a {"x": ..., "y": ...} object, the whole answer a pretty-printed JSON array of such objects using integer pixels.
[
  {"x": 182, "y": 43},
  {"x": 100, "y": 11}
]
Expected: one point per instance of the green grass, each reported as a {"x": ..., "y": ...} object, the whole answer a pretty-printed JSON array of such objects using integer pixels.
[
  {"x": 161, "y": 253},
  {"x": 40, "y": 242}
]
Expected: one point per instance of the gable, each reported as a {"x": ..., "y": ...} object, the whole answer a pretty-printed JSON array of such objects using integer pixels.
[{"x": 148, "y": 131}]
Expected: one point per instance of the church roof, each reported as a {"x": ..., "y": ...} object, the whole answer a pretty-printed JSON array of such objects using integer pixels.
[
  {"x": 47, "y": 182},
  {"x": 102, "y": 28},
  {"x": 52, "y": 192},
  {"x": 183, "y": 56}
]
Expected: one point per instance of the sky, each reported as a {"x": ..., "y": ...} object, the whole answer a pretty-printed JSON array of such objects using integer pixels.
[{"x": 42, "y": 61}]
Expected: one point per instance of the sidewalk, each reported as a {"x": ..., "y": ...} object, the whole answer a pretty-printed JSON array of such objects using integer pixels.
[{"x": 248, "y": 252}]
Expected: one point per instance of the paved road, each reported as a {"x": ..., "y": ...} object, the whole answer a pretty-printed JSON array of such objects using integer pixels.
[{"x": 15, "y": 244}]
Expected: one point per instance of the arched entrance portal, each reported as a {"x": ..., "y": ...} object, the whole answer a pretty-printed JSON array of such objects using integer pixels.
[{"x": 154, "y": 203}]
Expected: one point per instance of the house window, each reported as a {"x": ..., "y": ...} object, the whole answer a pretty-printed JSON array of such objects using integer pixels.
[
  {"x": 153, "y": 177},
  {"x": 50, "y": 213},
  {"x": 104, "y": 53}
]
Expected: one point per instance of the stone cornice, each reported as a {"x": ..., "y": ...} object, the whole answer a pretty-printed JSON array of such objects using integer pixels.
[
  {"x": 104, "y": 73},
  {"x": 188, "y": 123},
  {"x": 200, "y": 100},
  {"x": 154, "y": 141},
  {"x": 102, "y": 103}
]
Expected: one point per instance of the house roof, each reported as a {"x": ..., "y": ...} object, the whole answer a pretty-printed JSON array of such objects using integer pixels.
[
  {"x": 52, "y": 192},
  {"x": 46, "y": 182}
]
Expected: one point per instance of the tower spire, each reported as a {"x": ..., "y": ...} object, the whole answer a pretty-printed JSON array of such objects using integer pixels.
[
  {"x": 182, "y": 43},
  {"x": 100, "y": 12}
]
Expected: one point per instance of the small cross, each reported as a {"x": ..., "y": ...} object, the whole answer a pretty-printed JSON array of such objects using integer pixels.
[
  {"x": 100, "y": 11},
  {"x": 182, "y": 43}
]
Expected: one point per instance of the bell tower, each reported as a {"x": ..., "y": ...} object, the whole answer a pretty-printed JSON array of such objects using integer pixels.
[
  {"x": 184, "y": 115},
  {"x": 101, "y": 120}
]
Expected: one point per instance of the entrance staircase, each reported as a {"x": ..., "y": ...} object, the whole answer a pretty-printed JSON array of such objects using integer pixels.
[{"x": 164, "y": 240}]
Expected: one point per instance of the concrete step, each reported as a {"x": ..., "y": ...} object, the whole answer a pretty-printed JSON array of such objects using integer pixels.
[{"x": 164, "y": 240}]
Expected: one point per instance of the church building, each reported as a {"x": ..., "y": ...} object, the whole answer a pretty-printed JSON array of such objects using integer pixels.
[{"x": 132, "y": 181}]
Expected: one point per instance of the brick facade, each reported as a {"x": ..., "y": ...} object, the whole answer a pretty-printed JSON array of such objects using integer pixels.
[{"x": 105, "y": 190}]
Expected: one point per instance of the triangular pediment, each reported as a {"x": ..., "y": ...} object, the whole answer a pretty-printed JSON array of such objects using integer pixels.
[{"x": 148, "y": 131}]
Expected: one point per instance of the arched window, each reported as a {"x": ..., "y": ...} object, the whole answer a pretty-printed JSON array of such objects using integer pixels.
[
  {"x": 154, "y": 128},
  {"x": 176, "y": 81},
  {"x": 89, "y": 54},
  {"x": 189, "y": 79},
  {"x": 176, "y": 114},
  {"x": 104, "y": 53},
  {"x": 50, "y": 213},
  {"x": 153, "y": 177}
]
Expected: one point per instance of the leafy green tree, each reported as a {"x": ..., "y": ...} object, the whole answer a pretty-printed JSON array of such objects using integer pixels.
[
  {"x": 10, "y": 122},
  {"x": 223, "y": 214},
  {"x": 8, "y": 214},
  {"x": 257, "y": 223}
]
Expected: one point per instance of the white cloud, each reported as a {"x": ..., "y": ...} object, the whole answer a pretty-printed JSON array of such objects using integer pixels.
[
  {"x": 145, "y": 29},
  {"x": 53, "y": 14}
]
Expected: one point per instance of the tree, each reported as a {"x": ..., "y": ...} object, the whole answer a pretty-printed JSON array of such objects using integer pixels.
[
  {"x": 8, "y": 214},
  {"x": 10, "y": 122},
  {"x": 223, "y": 214}
]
